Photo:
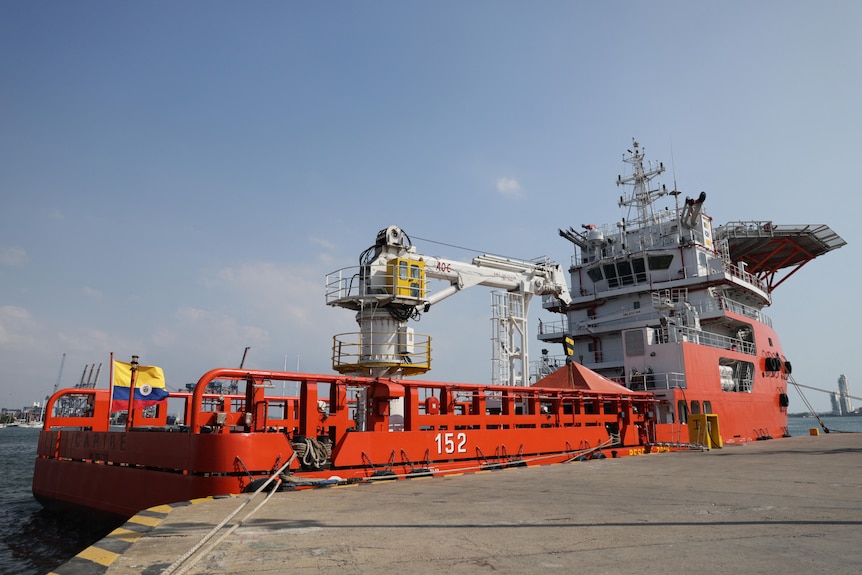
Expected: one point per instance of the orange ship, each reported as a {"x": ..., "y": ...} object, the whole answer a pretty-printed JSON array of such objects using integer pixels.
[{"x": 665, "y": 346}]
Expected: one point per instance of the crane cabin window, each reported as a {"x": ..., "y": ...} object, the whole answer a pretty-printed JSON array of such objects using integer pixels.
[
  {"x": 416, "y": 280},
  {"x": 407, "y": 277}
]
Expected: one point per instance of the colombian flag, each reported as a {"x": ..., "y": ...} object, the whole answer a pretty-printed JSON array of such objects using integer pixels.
[{"x": 149, "y": 386}]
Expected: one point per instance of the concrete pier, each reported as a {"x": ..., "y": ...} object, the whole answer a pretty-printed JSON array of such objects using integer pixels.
[{"x": 781, "y": 506}]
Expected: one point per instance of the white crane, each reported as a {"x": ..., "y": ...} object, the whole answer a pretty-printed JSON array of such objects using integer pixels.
[{"x": 390, "y": 287}]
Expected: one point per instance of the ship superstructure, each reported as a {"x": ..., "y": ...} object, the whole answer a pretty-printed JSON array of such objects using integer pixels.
[{"x": 663, "y": 301}]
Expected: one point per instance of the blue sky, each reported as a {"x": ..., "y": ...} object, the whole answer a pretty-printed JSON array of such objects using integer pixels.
[{"x": 176, "y": 178}]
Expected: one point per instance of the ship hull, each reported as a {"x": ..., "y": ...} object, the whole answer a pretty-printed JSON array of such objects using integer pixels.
[{"x": 233, "y": 443}]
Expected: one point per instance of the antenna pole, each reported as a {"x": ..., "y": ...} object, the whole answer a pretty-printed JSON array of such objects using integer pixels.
[{"x": 60, "y": 375}]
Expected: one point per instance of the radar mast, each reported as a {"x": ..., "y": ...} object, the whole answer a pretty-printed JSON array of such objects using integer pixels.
[{"x": 641, "y": 197}]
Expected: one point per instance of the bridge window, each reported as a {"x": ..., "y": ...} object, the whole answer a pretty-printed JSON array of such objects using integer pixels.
[
  {"x": 661, "y": 262},
  {"x": 639, "y": 267},
  {"x": 611, "y": 274},
  {"x": 624, "y": 268}
]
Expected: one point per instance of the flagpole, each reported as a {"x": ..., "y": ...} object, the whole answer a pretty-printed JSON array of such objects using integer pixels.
[
  {"x": 111, "y": 389},
  {"x": 569, "y": 348},
  {"x": 134, "y": 376}
]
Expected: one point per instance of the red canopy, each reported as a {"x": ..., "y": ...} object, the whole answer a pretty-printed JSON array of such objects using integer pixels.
[{"x": 576, "y": 376}]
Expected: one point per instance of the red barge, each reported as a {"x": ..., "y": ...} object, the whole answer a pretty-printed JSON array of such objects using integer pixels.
[{"x": 665, "y": 346}]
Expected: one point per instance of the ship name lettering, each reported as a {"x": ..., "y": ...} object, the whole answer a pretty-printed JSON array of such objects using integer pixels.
[
  {"x": 444, "y": 267},
  {"x": 109, "y": 441}
]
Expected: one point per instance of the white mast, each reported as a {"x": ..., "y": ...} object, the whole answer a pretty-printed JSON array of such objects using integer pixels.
[{"x": 641, "y": 196}]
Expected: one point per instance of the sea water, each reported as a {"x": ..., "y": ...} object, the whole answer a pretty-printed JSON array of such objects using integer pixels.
[
  {"x": 34, "y": 541},
  {"x": 833, "y": 423}
]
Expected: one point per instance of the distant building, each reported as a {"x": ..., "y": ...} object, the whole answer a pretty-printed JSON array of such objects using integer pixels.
[
  {"x": 836, "y": 404},
  {"x": 844, "y": 400}
]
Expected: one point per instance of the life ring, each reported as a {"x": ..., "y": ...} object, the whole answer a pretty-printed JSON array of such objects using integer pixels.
[{"x": 432, "y": 406}]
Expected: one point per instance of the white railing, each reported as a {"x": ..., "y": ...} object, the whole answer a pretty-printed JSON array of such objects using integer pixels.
[
  {"x": 346, "y": 283},
  {"x": 636, "y": 381},
  {"x": 651, "y": 381},
  {"x": 553, "y": 327},
  {"x": 740, "y": 274},
  {"x": 726, "y": 304},
  {"x": 342, "y": 284},
  {"x": 654, "y": 277},
  {"x": 679, "y": 334}
]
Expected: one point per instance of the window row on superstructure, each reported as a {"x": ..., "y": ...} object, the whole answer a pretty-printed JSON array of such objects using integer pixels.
[
  {"x": 655, "y": 268},
  {"x": 706, "y": 308}
]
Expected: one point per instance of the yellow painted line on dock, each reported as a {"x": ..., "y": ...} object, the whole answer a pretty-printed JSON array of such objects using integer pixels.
[
  {"x": 144, "y": 520},
  {"x": 96, "y": 558},
  {"x": 161, "y": 509},
  {"x": 97, "y": 555},
  {"x": 205, "y": 499},
  {"x": 124, "y": 534}
]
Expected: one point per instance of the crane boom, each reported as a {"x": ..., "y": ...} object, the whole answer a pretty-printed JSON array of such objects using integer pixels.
[
  {"x": 391, "y": 287},
  {"x": 60, "y": 375}
]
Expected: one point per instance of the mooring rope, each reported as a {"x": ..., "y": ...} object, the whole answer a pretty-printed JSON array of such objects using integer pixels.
[
  {"x": 181, "y": 565},
  {"x": 312, "y": 453},
  {"x": 575, "y": 453},
  {"x": 805, "y": 400}
]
